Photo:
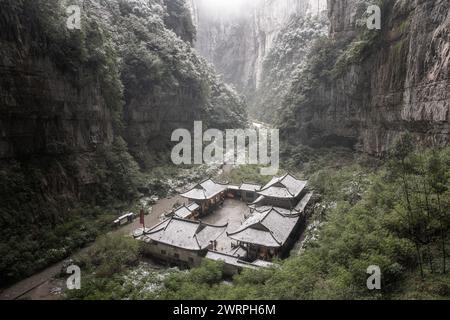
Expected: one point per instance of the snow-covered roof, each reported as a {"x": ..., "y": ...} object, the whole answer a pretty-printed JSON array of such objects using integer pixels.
[
  {"x": 236, "y": 261},
  {"x": 204, "y": 190},
  {"x": 182, "y": 212},
  {"x": 300, "y": 207},
  {"x": 280, "y": 210},
  {"x": 185, "y": 234},
  {"x": 193, "y": 206},
  {"x": 258, "y": 200},
  {"x": 185, "y": 211},
  {"x": 269, "y": 228},
  {"x": 286, "y": 187},
  {"x": 227, "y": 258},
  {"x": 250, "y": 187}
]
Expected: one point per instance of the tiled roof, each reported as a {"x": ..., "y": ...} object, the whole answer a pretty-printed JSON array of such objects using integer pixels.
[
  {"x": 185, "y": 211},
  {"x": 250, "y": 187},
  {"x": 287, "y": 187},
  {"x": 193, "y": 206},
  {"x": 300, "y": 207},
  {"x": 280, "y": 210},
  {"x": 185, "y": 234},
  {"x": 182, "y": 212},
  {"x": 258, "y": 200},
  {"x": 204, "y": 190},
  {"x": 277, "y": 192},
  {"x": 269, "y": 228}
]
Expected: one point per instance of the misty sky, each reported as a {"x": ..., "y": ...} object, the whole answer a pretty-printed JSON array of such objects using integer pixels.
[{"x": 226, "y": 7}]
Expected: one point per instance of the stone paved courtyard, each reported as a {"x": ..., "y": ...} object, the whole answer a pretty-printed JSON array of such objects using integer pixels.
[{"x": 232, "y": 212}]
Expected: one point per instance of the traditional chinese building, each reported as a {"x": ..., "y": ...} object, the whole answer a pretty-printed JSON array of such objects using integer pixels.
[
  {"x": 179, "y": 241},
  {"x": 283, "y": 192},
  {"x": 267, "y": 234},
  {"x": 249, "y": 191},
  {"x": 207, "y": 194},
  {"x": 189, "y": 212},
  {"x": 270, "y": 229}
]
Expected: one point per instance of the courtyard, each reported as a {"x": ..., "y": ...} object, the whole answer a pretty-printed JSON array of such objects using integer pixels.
[{"x": 234, "y": 212}]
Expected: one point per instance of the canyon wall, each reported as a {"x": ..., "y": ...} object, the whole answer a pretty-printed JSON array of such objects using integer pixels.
[
  {"x": 52, "y": 101},
  {"x": 237, "y": 37},
  {"x": 364, "y": 88}
]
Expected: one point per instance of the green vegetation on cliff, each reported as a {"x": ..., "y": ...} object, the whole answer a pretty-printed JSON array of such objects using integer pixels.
[
  {"x": 129, "y": 58},
  {"x": 289, "y": 51},
  {"x": 395, "y": 216}
]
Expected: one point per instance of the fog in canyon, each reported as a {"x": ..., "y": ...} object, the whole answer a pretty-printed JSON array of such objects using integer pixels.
[{"x": 256, "y": 45}]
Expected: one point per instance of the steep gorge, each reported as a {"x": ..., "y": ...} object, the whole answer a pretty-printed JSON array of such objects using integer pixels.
[
  {"x": 80, "y": 109},
  {"x": 252, "y": 41},
  {"x": 324, "y": 79},
  {"x": 364, "y": 88}
]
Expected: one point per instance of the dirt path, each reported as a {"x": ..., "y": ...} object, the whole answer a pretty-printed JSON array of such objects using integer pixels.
[{"x": 45, "y": 285}]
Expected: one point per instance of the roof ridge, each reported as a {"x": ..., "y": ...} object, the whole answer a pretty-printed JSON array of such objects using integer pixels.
[
  {"x": 287, "y": 189},
  {"x": 287, "y": 215},
  {"x": 184, "y": 220},
  {"x": 219, "y": 183},
  {"x": 196, "y": 240},
  {"x": 155, "y": 226},
  {"x": 273, "y": 236},
  {"x": 198, "y": 222},
  {"x": 204, "y": 180},
  {"x": 249, "y": 226},
  {"x": 168, "y": 223},
  {"x": 276, "y": 210},
  {"x": 266, "y": 215}
]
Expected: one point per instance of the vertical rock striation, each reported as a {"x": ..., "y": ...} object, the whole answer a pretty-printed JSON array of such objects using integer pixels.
[
  {"x": 80, "y": 108},
  {"x": 375, "y": 85}
]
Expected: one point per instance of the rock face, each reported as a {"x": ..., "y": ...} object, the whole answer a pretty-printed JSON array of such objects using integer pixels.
[
  {"x": 167, "y": 85},
  {"x": 46, "y": 110},
  {"x": 382, "y": 84},
  {"x": 237, "y": 35},
  {"x": 48, "y": 115},
  {"x": 179, "y": 19},
  {"x": 80, "y": 108},
  {"x": 51, "y": 104},
  {"x": 291, "y": 47}
]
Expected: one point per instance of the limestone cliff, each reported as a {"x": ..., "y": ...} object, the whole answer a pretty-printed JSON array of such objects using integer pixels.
[
  {"x": 289, "y": 52},
  {"x": 167, "y": 85},
  {"x": 75, "y": 105},
  {"x": 237, "y": 37},
  {"x": 52, "y": 95},
  {"x": 363, "y": 88}
]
